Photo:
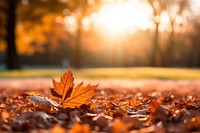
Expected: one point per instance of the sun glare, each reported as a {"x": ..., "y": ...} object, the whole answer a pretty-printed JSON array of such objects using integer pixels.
[
  {"x": 117, "y": 18},
  {"x": 123, "y": 17}
]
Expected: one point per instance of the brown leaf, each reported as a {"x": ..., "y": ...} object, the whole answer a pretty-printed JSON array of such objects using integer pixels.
[
  {"x": 71, "y": 97},
  {"x": 154, "y": 105},
  {"x": 35, "y": 120},
  {"x": 193, "y": 124},
  {"x": 101, "y": 121},
  {"x": 158, "y": 112}
]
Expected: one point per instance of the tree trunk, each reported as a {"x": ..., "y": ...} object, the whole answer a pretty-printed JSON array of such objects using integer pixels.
[
  {"x": 193, "y": 59},
  {"x": 113, "y": 54},
  {"x": 78, "y": 45},
  {"x": 170, "y": 46},
  {"x": 12, "y": 58},
  {"x": 155, "y": 50},
  {"x": 168, "y": 54}
]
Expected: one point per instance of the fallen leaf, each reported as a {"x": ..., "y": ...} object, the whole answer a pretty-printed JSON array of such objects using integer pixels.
[
  {"x": 35, "y": 119},
  {"x": 132, "y": 123},
  {"x": 101, "y": 121},
  {"x": 79, "y": 96},
  {"x": 68, "y": 96},
  {"x": 43, "y": 100},
  {"x": 154, "y": 105},
  {"x": 58, "y": 129},
  {"x": 134, "y": 102},
  {"x": 158, "y": 112},
  {"x": 31, "y": 93},
  {"x": 193, "y": 124},
  {"x": 77, "y": 128},
  {"x": 63, "y": 89},
  {"x": 2, "y": 105},
  {"x": 5, "y": 116},
  {"x": 119, "y": 127}
]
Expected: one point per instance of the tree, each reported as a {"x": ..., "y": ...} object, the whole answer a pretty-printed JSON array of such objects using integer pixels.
[
  {"x": 10, "y": 8},
  {"x": 158, "y": 6},
  {"x": 175, "y": 10},
  {"x": 12, "y": 58},
  {"x": 2, "y": 24},
  {"x": 31, "y": 12},
  {"x": 194, "y": 50},
  {"x": 81, "y": 9}
]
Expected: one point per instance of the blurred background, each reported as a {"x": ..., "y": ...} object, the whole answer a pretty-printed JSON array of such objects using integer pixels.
[{"x": 99, "y": 33}]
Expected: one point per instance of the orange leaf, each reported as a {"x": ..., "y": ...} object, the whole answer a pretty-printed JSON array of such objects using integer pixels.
[
  {"x": 69, "y": 96},
  {"x": 77, "y": 128},
  {"x": 154, "y": 105},
  {"x": 5, "y": 116},
  {"x": 119, "y": 127},
  {"x": 79, "y": 95},
  {"x": 134, "y": 102},
  {"x": 62, "y": 89},
  {"x": 58, "y": 129}
]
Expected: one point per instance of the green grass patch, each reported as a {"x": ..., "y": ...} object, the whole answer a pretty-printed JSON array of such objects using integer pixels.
[{"x": 129, "y": 73}]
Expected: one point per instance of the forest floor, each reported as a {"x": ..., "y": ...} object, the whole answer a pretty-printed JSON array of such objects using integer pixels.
[{"x": 119, "y": 105}]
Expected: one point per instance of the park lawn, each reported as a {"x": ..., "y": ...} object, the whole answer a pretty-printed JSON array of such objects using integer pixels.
[{"x": 126, "y": 73}]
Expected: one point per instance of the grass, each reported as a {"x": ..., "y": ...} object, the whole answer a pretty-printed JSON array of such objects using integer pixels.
[{"x": 129, "y": 73}]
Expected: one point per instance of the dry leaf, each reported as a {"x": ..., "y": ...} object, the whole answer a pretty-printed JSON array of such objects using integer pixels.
[
  {"x": 134, "y": 102},
  {"x": 158, "y": 112},
  {"x": 58, "y": 129},
  {"x": 2, "y": 105},
  {"x": 71, "y": 97},
  {"x": 5, "y": 116},
  {"x": 77, "y": 128},
  {"x": 119, "y": 127},
  {"x": 35, "y": 119},
  {"x": 101, "y": 121},
  {"x": 63, "y": 89},
  {"x": 79, "y": 96},
  {"x": 193, "y": 124},
  {"x": 43, "y": 100},
  {"x": 154, "y": 105}
]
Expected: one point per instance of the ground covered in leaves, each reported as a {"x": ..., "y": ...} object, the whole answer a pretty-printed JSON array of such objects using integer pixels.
[{"x": 110, "y": 110}]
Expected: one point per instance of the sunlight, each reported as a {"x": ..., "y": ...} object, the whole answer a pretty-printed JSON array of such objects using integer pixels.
[
  {"x": 70, "y": 24},
  {"x": 164, "y": 22},
  {"x": 116, "y": 18}
]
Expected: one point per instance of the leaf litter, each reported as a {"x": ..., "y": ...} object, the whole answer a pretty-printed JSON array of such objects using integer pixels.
[{"x": 98, "y": 110}]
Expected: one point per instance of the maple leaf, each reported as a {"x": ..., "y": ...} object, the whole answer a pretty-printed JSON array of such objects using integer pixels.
[
  {"x": 80, "y": 95},
  {"x": 63, "y": 88},
  {"x": 68, "y": 95}
]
